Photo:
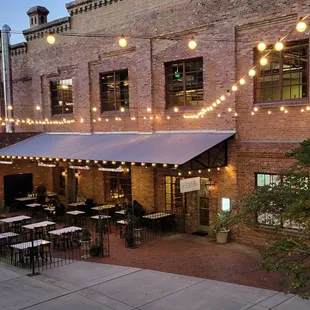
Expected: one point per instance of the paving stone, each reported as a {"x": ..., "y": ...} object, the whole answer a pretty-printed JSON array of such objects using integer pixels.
[
  {"x": 275, "y": 300},
  {"x": 294, "y": 303},
  {"x": 7, "y": 274}
]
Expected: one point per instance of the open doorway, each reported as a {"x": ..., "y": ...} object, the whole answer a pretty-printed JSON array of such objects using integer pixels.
[{"x": 203, "y": 205}]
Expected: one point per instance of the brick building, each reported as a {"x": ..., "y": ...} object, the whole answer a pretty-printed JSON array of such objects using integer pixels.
[{"x": 147, "y": 87}]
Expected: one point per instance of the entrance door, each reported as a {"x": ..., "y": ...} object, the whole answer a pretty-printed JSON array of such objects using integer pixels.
[
  {"x": 203, "y": 208},
  {"x": 17, "y": 185}
]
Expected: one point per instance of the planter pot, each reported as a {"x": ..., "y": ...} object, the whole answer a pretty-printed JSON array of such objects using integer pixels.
[
  {"x": 137, "y": 235},
  {"x": 85, "y": 246},
  {"x": 221, "y": 236}
]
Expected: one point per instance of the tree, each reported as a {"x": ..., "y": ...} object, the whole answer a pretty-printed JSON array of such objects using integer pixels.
[{"x": 283, "y": 207}]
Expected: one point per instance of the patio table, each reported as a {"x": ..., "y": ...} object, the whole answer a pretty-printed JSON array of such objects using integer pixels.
[
  {"x": 39, "y": 225},
  {"x": 15, "y": 219},
  {"x": 23, "y": 199},
  {"x": 103, "y": 207},
  {"x": 121, "y": 212},
  {"x": 76, "y": 204},
  {"x": 33, "y": 205},
  {"x": 65, "y": 230},
  {"x": 155, "y": 216},
  {"x": 76, "y": 212}
]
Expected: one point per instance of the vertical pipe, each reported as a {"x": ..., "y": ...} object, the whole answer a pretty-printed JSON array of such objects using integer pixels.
[{"x": 7, "y": 76}]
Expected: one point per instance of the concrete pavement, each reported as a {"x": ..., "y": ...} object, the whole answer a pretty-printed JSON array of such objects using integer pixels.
[{"x": 92, "y": 286}]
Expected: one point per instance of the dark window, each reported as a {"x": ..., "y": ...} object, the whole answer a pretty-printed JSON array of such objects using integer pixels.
[
  {"x": 285, "y": 77},
  {"x": 31, "y": 20},
  {"x": 184, "y": 83},
  {"x": 114, "y": 91},
  {"x": 42, "y": 19},
  {"x": 175, "y": 200},
  {"x": 61, "y": 93},
  {"x": 117, "y": 186}
]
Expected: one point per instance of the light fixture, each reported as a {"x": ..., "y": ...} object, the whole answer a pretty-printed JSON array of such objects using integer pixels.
[
  {"x": 256, "y": 109},
  {"x": 153, "y": 164},
  {"x": 176, "y": 109},
  {"x": 64, "y": 173},
  {"x": 301, "y": 26},
  {"x": 10, "y": 107},
  {"x": 133, "y": 163},
  {"x": 261, "y": 46},
  {"x": 302, "y": 110},
  {"x": 252, "y": 72},
  {"x": 263, "y": 61},
  {"x": 234, "y": 88},
  {"x": 51, "y": 39},
  {"x": 279, "y": 46},
  {"x": 222, "y": 97},
  {"x": 242, "y": 81},
  {"x": 113, "y": 162},
  {"x": 165, "y": 165},
  {"x": 218, "y": 101},
  {"x": 82, "y": 120},
  {"x": 38, "y": 108},
  {"x": 122, "y": 41},
  {"x": 189, "y": 172},
  {"x": 94, "y": 109},
  {"x": 142, "y": 164},
  {"x": 123, "y": 163},
  {"x": 149, "y": 110},
  {"x": 192, "y": 44},
  {"x": 282, "y": 108},
  {"x": 229, "y": 109},
  {"x": 176, "y": 166},
  {"x": 122, "y": 109},
  {"x": 199, "y": 171},
  {"x": 269, "y": 112}
]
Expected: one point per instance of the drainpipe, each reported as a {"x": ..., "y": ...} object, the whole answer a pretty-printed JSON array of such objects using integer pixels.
[{"x": 7, "y": 76}]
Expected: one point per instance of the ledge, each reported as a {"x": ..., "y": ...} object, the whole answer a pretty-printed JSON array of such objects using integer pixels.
[{"x": 79, "y": 7}]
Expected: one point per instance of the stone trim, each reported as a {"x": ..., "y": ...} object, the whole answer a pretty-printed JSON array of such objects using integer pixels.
[
  {"x": 19, "y": 49},
  {"x": 56, "y": 26},
  {"x": 80, "y": 7}
]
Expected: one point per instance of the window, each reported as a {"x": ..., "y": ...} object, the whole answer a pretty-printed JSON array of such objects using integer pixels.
[
  {"x": 263, "y": 179},
  {"x": 184, "y": 83},
  {"x": 117, "y": 186},
  {"x": 61, "y": 92},
  {"x": 175, "y": 200},
  {"x": 114, "y": 91},
  {"x": 285, "y": 77}
]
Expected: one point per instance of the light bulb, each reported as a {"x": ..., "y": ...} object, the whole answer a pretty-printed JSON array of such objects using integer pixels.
[
  {"x": 10, "y": 107},
  {"x": 222, "y": 97},
  {"x": 122, "y": 41},
  {"x": 234, "y": 88},
  {"x": 263, "y": 61},
  {"x": 51, "y": 39},
  {"x": 269, "y": 112},
  {"x": 229, "y": 109},
  {"x": 256, "y": 109},
  {"x": 94, "y": 109},
  {"x": 218, "y": 101},
  {"x": 261, "y": 46},
  {"x": 242, "y": 81},
  {"x": 38, "y": 108},
  {"x": 301, "y": 26},
  {"x": 149, "y": 110},
  {"x": 192, "y": 44},
  {"x": 122, "y": 109},
  {"x": 176, "y": 109},
  {"x": 252, "y": 72},
  {"x": 282, "y": 108},
  {"x": 279, "y": 46}
]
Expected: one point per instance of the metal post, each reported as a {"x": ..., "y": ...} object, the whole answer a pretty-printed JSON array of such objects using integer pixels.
[{"x": 7, "y": 76}]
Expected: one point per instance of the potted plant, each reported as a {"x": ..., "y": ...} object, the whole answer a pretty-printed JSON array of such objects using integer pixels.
[
  {"x": 221, "y": 227},
  {"x": 85, "y": 242}
]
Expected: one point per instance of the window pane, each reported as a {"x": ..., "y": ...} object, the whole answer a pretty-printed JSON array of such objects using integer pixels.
[
  {"x": 61, "y": 97},
  {"x": 285, "y": 76},
  {"x": 114, "y": 91},
  {"x": 184, "y": 85}
]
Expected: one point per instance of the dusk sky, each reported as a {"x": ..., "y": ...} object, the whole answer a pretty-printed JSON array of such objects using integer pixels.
[{"x": 14, "y": 14}]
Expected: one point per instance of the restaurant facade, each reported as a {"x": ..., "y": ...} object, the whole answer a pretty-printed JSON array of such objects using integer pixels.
[{"x": 122, "y": 105}]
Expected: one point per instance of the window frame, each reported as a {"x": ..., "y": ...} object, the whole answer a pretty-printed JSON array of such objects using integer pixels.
[
  {"x": 102, "y": 110},
  {"x": 118, "y": 176},
  {"x": 173, "y": 196},
  {"x": 52, "y": 98},
  {"x": 184, "y": 106},
  {"x": 294, "y": 101}
]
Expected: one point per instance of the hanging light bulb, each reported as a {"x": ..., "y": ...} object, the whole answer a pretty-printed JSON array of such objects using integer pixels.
[
  {"x": 263, "y": 61},
  {"x": 218, "y": 101},
  {"x": 255, "y": 109},
  {"x": 122, "y": 109},
  {"x": 122, "y": 41},
  {"x": 301, "y": 26},
  {"x": 176, "y": 109},
  {"x": 234, "y": 88},
  {"x": 94, "y": 109},
  {"x": 192, "y": 44},
  {"x": 282, "y": 108},
  {"x": 269, "y": 112},
  {"x": 38, "y": 108},
  {"x": 242, "y": 81},
  {"x": 222, "y": 97},
  {"x": 279, "y": 46},
  {"x": 51, "y": 39},
  {"x": 261, "y": 46},
  {"x": 252, "y": 72}
]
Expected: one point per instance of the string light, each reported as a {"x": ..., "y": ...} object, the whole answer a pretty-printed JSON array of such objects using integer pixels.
[
  {"x": 234, "y": 88},
  {"x": 122, "y": 109},
  {"x": 255, "y": 109},
  {"x": 301, "y": 26},
  {"x": 263, "y": 61},
  {"x": 176, "y": 109},
  {"x": 261, "y": 46},
  {"x": 242, "y": 81},
  {"x": 279, "y": 46},
  {"x": 282, "y": 108},
  {"x": 269, "y": 112},
  {"x": 222, "y": 97},
  {"x": 38, "y": 108},
  {"x": 51, "y": 39},
  {"x": 122, "y": 41},
  {"x": 94, "y": 109},
  {"x": 252, "y": 72},
  {"x": 192, "y": 44}
]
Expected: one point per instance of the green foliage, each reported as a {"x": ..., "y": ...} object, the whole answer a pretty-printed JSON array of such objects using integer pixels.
[
  {"x": 284, "y": 208},
  {"x": 86, "y": 235},
  {"x": 222, "y": 222}
]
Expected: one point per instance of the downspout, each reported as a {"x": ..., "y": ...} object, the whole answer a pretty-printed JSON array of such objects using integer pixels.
[{"x": 7, "y": 77}]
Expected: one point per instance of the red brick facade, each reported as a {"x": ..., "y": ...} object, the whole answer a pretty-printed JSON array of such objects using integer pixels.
[{"x": 226, "y": 33}]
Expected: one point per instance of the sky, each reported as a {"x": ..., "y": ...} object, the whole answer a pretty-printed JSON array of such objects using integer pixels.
[{"x": 13, "y": 13}]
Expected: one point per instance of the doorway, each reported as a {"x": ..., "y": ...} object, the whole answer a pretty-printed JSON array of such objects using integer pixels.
[
  {"x": 16, "y": 186},
  {"x": 203, "y": 205}
]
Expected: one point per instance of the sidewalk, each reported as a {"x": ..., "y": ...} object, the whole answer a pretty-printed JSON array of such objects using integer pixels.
[{"x": 92, "y": 286}]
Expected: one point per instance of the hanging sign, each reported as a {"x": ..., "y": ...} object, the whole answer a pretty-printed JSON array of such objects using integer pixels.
[
  {"x": 190, "y": 185},
  {"x": 111, "y": 169}
]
